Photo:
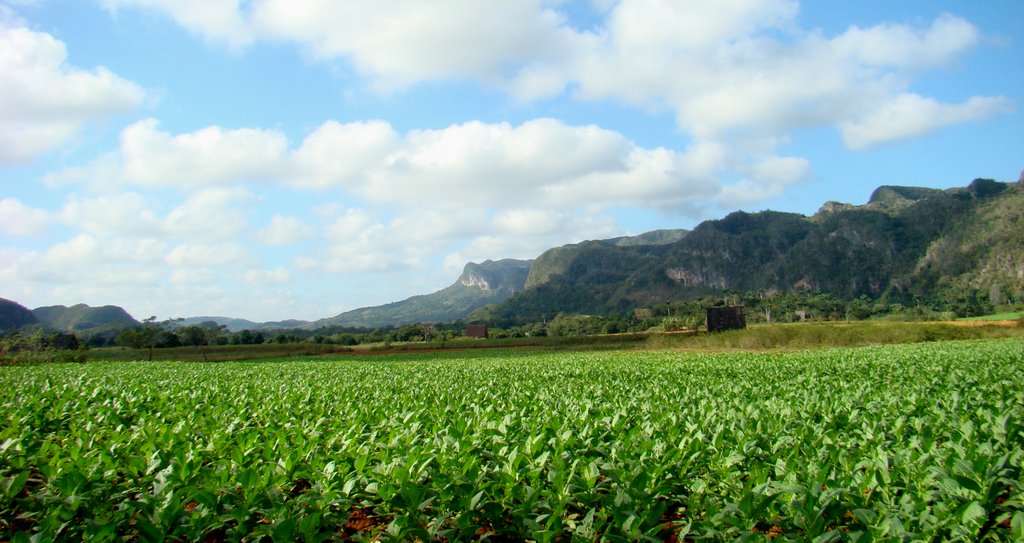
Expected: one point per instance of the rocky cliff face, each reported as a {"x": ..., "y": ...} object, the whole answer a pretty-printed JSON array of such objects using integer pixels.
[
  {"x": 501, "y": 276},
  {"x": 906, "y": 243},
  {"x": 489, "y": 282}
]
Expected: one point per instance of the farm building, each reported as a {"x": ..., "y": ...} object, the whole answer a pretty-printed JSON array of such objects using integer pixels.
[{"x": 720, "y": 319}]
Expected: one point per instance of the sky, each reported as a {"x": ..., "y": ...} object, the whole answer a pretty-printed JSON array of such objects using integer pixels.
[{"x": 275, "y": 159}]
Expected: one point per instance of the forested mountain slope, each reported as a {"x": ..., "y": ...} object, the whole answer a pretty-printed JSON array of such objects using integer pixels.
[{"x": 906, "y": 244}]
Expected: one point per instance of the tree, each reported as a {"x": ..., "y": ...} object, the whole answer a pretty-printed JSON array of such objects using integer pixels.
[
  {"x": 201, "y": 335},
  {"x": 141, "y": 337},
  {"x": 196, "y": 337}
]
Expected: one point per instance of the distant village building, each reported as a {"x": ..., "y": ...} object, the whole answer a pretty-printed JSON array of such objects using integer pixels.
[
  {"x": 800, "y": 315},
  {"x": 726, "y": 318},
  {"x": 477, "y": 331},
  {"x": 642, "y": 313}
]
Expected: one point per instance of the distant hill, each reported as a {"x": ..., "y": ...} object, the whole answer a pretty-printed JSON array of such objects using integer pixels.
[
  {"x": 14, "y": 316},
  {"x": 654, "y": 237},
  {"x": 480, "y": 284},
  {"x": 559, "y": 260},
  {"x": 237, "y": 325},
  {"x": 905, "y": 244},
  {"x": 83, "y": 318}
]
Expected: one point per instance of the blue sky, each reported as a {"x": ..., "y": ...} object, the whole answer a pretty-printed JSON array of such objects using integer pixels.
[{"x": 274, "y": 159}]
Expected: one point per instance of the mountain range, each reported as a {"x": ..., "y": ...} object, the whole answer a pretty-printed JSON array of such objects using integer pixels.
[
  {"x": 77, "y": 318},
  {"x": 906, "y": 244}
]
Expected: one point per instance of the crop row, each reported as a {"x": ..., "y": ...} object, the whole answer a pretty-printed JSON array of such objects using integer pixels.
[{"x": 921, "y": 443}]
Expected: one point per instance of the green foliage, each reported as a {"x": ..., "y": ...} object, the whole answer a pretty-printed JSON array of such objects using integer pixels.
[
  {"x": 40, "y": 348},
  {"x": 148, "y": 335},
  {"x": 909, "y": 443},
  {"x": 82, "y": 318},
  {"x": 246, "y": 337},
  {"x": 479, "y": 284},
  {"x": 954, "y": 251},
  {"x": 14, "y": 316},
  {"x": 199, "y": 336}
]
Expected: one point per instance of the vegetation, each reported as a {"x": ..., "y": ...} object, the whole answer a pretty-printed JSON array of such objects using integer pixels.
[
  {"x": 479, "y": 284},
  {"x": 18, "y": 349},
  {"x": 900, "y": 443},
  {"x": 956, "y": 251},
  {"x": 14, "y": 316},
  {"x": 1005, "y": 316},
  {"x": 82, "y": 317}
]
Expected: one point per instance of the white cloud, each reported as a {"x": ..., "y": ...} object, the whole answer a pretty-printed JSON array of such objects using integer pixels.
[
  {"x": 285, "y": 231},
  {"x": 525, "y": 234},
  {"x": 44, "y": 101},
  {"x": 358, "y": 242},
  {"x": 724, "y": 67},
  {"x": 85, "y": 251},
  {"x": 127, "y": 214},
  {"x": 215, "y": 20},
  {"x": 399, "y": 42},
  {"x": 210, "y": 156},
  {"x": 209, "y": 215},
  {"x": 542, "y": 162},
  {"x": 17, "y": 219},
  {"x": 749, "y": 70},
  {"x": 208, "y": 255},
  {"x": 664, "y": 26},
  {"x": 193, "y": 276},
  {"x": 889, "y": 44},
  {"x": 909, "y": 115},
  {"x": 258, "y": 278},
  {"x": 338, "y": 154}
]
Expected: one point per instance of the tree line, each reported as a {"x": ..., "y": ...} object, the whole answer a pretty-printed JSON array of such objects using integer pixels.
[{"x": 669, "y": 315}]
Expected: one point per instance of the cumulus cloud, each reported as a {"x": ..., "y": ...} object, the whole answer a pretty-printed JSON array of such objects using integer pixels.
[
  {"x": 193, "y": 276},
  {"x": 208, "y": 156},
  {"x": 214, "y": 20},
  {"x": 909, "y": 115},
  {"x": 17, "y": 219},
  {"x": 752, "y": 70},
  {"x": 337, "y": 154},
  {"x": 525, "y": 234},
  {"x": 209, "y": 214},
  {"x": 723, "y": 67},
  {"x": 207, "y": 255},
  {"x": 126, "y": 214},
  {"x": 285, "y": 230},
  {"x": 85, "y": 250},
  {"x": 399, "y": 42},
  {"x": 259, "y": 278},
  {"x": 542, "y": 162},
  {"x": 44, "y": 101},
  {"x": 889, "y": 44}
]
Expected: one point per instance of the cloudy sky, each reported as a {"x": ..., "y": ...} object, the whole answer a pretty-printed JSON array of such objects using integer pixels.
[{"x": 271, "y": 159}]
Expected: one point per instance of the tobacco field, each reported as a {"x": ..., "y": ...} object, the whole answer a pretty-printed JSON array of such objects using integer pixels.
[{"x": 898, "y": 443}]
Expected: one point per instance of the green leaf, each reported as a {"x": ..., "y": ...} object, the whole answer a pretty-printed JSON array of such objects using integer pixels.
[
  {"x": 973, "y": 513},
  {"x": 148, "y": 531},
  {"x": 16, "y": 483},
  {"x": 475, "y": 500},
  {"x": 1017, "y": 526},
  {"x": 284, "y": 529}
]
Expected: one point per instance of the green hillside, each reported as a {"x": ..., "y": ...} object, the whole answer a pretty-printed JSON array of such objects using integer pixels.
[
  {"x": 480, "y": 284},
  {"x": 237, "y": 325},
  {"x": 14, "y": 316},
  {"x": 909, "y": 245},
  {"x": 83, "y": 318}
]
